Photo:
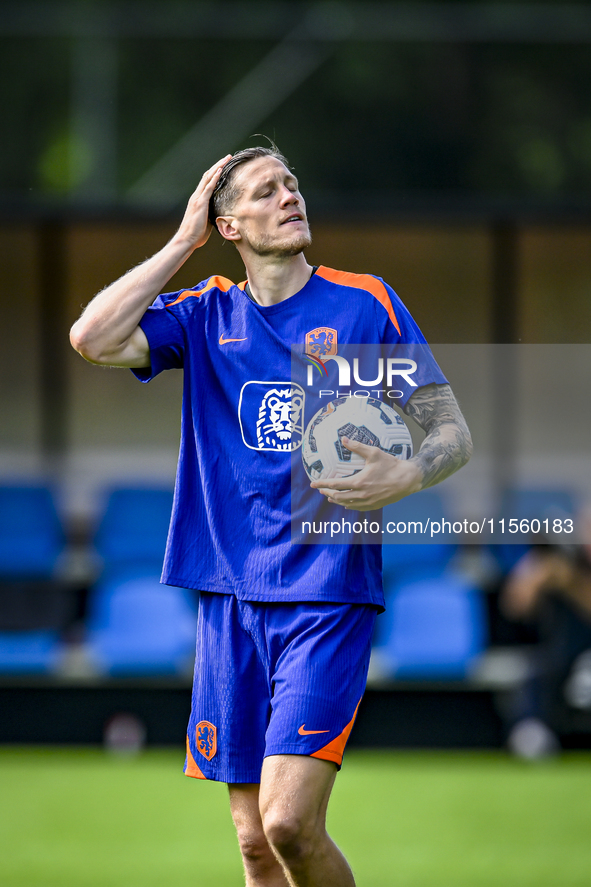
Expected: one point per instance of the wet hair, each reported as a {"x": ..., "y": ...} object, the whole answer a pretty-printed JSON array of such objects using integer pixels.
[{"x": 226, "y": 191}]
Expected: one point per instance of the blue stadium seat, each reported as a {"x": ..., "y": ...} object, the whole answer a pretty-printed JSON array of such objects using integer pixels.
[
  {"x": 134, "y": 526},
  {"x": 31, "y": 534},
  {"x": 537, "y": 502},
  {"x": 438, "y": 629},
  {"x": 529, "y": 504},
  {"x": 139, "y": 627},
  {"x": 421, "y": 560},
  {"x": 29, "y": 652}
]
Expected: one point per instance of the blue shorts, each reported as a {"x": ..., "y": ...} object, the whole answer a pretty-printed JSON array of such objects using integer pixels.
[{"x": 274, "y": 679}]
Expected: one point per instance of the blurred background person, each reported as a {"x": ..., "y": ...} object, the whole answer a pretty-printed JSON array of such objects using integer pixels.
[{"x": 550, "y": 586}]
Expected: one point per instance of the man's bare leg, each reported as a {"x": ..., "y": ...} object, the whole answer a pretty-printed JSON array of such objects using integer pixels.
[
  {"x": 261, "y": 866},
  {"x": 285, "y": 819}
]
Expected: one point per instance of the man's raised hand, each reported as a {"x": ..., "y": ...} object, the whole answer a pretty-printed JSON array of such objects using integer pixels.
[
  {"x": 196, "y": 227},
  {"x": 108, "y": 331}
]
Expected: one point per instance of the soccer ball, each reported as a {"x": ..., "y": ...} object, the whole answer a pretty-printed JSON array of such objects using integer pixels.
[{"x": 364, "y": 419}]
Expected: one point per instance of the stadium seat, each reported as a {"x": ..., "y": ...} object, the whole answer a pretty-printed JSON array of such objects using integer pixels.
[
  {"x": 29, "y": 652},
  {"x": 536, "y": 502},
  {"x": 403, "y": 560},
  {"x": 529, "y": 504},
  {"x": 134, "y": 526},
  {"x": 137, "y": 626},
  {"x": 31, "y": 535},
  {"x": 438, "y": 629}
]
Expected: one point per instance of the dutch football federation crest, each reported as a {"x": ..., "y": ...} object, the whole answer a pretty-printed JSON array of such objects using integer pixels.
[
  {"x": 271, "y": 415},
  {"x": 321, "y": 342},
  {"x": 206, "y": 738}
]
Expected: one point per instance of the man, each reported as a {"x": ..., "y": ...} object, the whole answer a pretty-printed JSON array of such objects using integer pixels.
[
  {"x": 284, "y": 630},
  {"x": 550, "y": 588}
]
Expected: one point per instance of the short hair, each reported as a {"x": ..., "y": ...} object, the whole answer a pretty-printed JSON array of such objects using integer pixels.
[{"x": 226, "y": 192}]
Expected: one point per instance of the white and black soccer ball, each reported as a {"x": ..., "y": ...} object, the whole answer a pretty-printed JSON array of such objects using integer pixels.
[{"x": 365, "y": 419}]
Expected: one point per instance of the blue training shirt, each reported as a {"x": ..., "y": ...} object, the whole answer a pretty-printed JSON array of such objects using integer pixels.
[{"x": 230, "y": 528}]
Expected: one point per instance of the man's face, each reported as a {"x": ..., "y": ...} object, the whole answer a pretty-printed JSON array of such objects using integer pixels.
[{"x": 270, "y": 213}]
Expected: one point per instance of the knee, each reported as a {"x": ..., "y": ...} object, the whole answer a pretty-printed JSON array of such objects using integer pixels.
[
  {"x": 254, "y": 846},
  {"x": 290, "y": 837}
]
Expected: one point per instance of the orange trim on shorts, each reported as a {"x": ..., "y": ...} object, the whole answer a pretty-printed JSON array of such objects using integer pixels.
[
  {"x": 363, "y": 282},
  {"x": 222, "y": 283},
  {"x": 192, "y": 769},
  {"x": 335, "y": 750}
]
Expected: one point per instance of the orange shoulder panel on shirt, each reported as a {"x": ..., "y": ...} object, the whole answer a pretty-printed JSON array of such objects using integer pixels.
[
  {"x": 222, "y": 283},
  {"x": 335, "y": 750},
  {"x": 364, "y": 282},
  {"x": 192, "y": 768}
]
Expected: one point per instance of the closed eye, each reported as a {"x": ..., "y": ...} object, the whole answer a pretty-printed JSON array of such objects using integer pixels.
[{"x": 291, "y": 186}]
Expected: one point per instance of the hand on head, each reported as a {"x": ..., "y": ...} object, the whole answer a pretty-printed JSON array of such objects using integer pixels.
[{"x": 195, "y": 226}]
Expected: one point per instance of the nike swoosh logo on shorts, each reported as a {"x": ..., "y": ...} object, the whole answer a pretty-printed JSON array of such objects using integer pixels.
[
  {"x": 303, "y": 732},
  {"x": 225, "y": 341}
]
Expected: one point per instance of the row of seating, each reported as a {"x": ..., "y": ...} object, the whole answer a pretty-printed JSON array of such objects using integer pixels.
[
  {"x": 133, "y": 527},
  {"x": 133, "y": 624},
  {"x": 435, "y": 625}
]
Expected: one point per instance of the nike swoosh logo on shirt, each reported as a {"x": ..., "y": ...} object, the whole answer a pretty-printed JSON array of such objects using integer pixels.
[
  {"x": 304, "y": 732},
  {"x": 224, "y": 341}
]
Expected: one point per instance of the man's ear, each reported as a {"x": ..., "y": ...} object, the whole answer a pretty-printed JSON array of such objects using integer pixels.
[{"x": 227, "y": 227}]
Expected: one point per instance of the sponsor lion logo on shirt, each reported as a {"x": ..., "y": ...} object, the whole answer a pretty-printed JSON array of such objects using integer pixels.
[
  {"x": 206, "y": 738},
  {"x": 321, "y": 342},
  {"x": 280, "y": 417},
  {"x": 271, "y": 415}
]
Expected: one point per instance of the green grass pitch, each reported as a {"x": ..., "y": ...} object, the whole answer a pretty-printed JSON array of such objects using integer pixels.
[{"x": 81, "y": 818}]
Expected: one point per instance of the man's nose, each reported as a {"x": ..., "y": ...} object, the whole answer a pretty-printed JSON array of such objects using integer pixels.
[{"x": 288, "y": 197}]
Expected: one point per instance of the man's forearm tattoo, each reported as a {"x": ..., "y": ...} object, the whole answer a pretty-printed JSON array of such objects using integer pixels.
[{"x": 448, "y": 444}]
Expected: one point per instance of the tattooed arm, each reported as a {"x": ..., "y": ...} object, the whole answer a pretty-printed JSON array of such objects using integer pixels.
[
  {"x": 448, "y": 444},
  {"x": 384, "y": 479}
]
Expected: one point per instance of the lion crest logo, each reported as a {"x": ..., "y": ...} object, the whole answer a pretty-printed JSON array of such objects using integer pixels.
[
  {"x": 206, "y": 739},
  {"x": 272, "y": 415},
  {"x": 321, "y": 342}
]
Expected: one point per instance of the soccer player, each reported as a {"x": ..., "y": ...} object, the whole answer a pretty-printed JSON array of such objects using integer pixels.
[{"x": 284, "y": 630}]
